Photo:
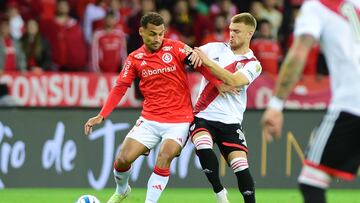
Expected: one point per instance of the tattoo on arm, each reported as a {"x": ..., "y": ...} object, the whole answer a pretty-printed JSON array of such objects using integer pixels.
[{"x": 293, "y": 65}]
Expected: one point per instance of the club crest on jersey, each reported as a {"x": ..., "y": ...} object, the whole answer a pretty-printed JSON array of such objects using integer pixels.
[
  {"x": 167, "y": 57},
  {"x": 240, "y": 65}
]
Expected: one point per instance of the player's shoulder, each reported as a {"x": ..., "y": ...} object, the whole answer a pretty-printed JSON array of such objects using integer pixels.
[
  {"x": 250, "y": 59},
  {"x": 314, "y": 6},
  {"x": 138, "y": 54}
]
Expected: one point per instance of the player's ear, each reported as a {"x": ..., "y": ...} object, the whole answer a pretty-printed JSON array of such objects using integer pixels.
[{"x": 141, "y": 31}]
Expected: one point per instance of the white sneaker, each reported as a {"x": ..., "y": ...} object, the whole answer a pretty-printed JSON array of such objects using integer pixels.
[
  {"x": 221, "y": 197},
  {"x": 117, "y": 198}
]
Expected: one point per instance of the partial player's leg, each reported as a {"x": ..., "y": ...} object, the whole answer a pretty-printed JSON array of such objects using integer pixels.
[
  {"x": 137, "y": 142},
  {"x": 203, "y": 142},
  {"x": 174, "y": 137},
  {"x": 334, "y": 152},
  {"x": 232, "y": 144},
  {"x": 130, "y": 151},
  {"x": 239, "y": 164}
]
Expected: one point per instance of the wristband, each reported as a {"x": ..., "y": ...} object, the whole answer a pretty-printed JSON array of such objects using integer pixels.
[{"x": 276, "y": 103}]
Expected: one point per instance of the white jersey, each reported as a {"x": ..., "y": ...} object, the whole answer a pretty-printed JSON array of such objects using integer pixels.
[
  {"x": 229, "y": 109},
  {"x": 336, "y": 25}
]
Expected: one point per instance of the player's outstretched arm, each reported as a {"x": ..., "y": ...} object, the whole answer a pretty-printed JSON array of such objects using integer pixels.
[
  {"x": 290, "y": 71},
  {"x": 233, "y": 79},
  {"x": 91, "y": 122},
  {"x": 116, "y": 93}
]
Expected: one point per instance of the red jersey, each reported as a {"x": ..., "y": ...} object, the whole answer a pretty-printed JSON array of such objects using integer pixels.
[
  {"x": 10, "y": 55},
  {"x": 68, "y": 48},
  {"x": 108, "y": 50},
  {"x": 163, "y": 82},
  {"x": 268, "y": 52}
]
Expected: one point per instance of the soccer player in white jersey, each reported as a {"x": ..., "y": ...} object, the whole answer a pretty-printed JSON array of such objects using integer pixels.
[
  {"x": 335, "y": 151},
  {"x": 218, "y": 117}
]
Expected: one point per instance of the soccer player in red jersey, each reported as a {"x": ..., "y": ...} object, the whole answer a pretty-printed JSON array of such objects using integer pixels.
[{"x": 167, "y": 108}]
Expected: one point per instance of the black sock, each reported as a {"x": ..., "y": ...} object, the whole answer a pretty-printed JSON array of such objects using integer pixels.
[
  {"x": 312, "y": 194},
  {"x": 210, "y": 165},
  {"x": 246, "y": 185}
]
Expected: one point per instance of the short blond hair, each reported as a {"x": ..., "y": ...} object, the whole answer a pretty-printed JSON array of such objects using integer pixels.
[{"x": 245, "y": 18}]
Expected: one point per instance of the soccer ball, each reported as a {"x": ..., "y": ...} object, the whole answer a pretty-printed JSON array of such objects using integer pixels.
[{"x": 87, "y": 199}]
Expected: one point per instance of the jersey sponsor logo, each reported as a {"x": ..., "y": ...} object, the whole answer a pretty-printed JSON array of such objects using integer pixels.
[
  {"x": 143, "y": 63},
  {"x": 181, "y": 50},
  {"x": 146, "y": 73},
  {"x": 126, "y": 69},
  {"x": 139, "y": 55},
  {"x": 167, "y": 57},
  {"x": 167, "y": 48},
  {"x": 187, "y": 49},
  {"x": 251, "y": 74}
]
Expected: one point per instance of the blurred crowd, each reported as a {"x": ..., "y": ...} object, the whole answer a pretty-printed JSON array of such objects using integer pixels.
[{"x": 97, "y": 35}]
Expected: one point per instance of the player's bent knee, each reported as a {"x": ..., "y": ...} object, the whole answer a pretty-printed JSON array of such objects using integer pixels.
[
  {"x": 308, "y": 173},
  {"x": 165, "y": 156},
  {"x": 123, "y": 160},
  {"x": 164, "y": 159},
  {"x": 203, "y": 142},
  {"x": 239, "y": 164}
]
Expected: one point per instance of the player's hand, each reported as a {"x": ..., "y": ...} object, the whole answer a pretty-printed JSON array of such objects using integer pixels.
[
  {"x": 91, "y": 122},
  {"x": 195, "y": 59},
  {"x": 205, "y": 60},
  {"x": 224, "y": 88},
  {"x": 272, "y": 122}
]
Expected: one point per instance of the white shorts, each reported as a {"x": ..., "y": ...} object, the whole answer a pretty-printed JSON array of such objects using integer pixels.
[{"x": 151, "y": 133}]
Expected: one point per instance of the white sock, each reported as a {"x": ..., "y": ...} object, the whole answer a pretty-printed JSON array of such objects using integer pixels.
[
  {"x": 122, "y": 181},
  {"x": 222, "y": 196},
  {"x": 155, "y": 186},
  {"x": 222, "y": 192}
]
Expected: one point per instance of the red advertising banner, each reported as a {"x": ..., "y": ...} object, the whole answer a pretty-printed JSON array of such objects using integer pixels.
[
  {"x": 91, "y": 90},
  {"x": 69, "y": 89},
  {"x": 311, "y": 92}
]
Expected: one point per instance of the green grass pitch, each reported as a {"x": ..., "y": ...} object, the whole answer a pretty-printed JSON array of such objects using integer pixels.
[{"x": 170, "y": 195}]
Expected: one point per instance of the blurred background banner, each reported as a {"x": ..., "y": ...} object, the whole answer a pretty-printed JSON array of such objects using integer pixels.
[
  {"x": 91, "y": 89},
  {"x": 42, "y": 147}
]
